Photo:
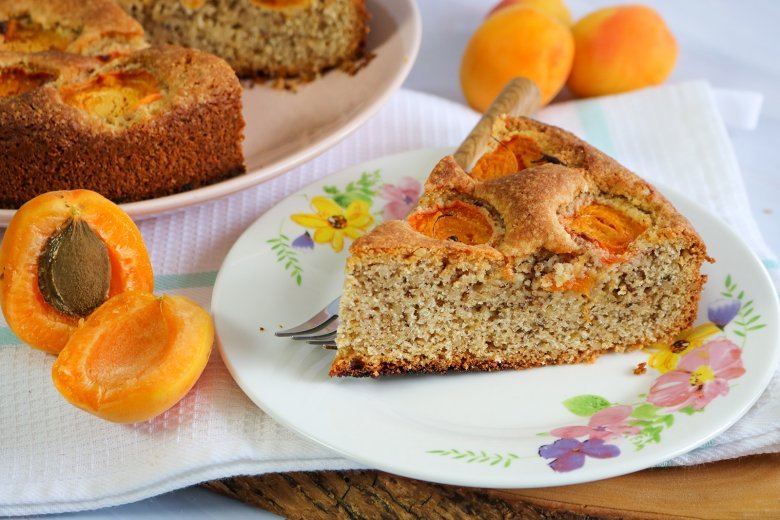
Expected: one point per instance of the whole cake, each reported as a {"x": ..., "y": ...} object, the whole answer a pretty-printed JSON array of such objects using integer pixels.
[
  {"x": 275, "y": 38},
  {"x": 547, "y": 252},
  {"x": 146, "y": 124}
]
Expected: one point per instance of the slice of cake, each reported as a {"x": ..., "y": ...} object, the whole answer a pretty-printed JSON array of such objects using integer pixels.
[
  {"x": 147, "y": 124},
  {"x": 274, "y": 38},
  {"x": 87, "y": 27},
  {"x": 548, "y": 252}
]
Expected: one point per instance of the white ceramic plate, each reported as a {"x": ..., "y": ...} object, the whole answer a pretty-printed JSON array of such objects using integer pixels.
[
  {"x": 285, "y": 129},
  {"x": 539, "y": 427}
]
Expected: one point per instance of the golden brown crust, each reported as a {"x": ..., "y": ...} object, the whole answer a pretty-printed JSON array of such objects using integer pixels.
[
  {"x": 96, "y": 26},
  {"x": 529, "y": 202},
  {"x": 190, "y": 137},
  {"x": 346, "y": 366}
]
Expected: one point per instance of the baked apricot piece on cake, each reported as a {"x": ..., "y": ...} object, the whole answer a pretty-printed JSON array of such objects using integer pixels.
[
  {"x": 568, "y": 257},
  {"x": 86, "y": 27}
]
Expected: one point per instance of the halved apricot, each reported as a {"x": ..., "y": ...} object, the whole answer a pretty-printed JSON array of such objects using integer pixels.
[
  {"x": 113, "y": 95},
  {"x": 135, "y": 357},
  {"x": 63, "y": 254},
  {"x": 607, "y": 227},
  {"x": 24, "y": 35},
  {"x": 460, "y": 222},
  {"x": 16, "y": 80}
]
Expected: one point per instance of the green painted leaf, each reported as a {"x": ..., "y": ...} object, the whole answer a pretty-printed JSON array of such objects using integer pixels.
[
  {"x": 668, "y": 420},
  {"x": 753, "y": 320},
  {"x": 727, "y": 294},
  {"x": 741, "y": 295},
  {"x": 689, "y": 410},
  {"x": 756, "y": 327},
  {"x": 747, "y": 313},
  {"x": 739, "y": 333},
  {"x": 645, "y": 411},
  {"x": 298, "y": 279},
  {"x": 586, "y": 405},
  {"x": 728, "y": 280}
]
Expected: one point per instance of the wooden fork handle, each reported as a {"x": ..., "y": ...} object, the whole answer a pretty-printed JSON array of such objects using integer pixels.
[{"x": 520, "y": 97}]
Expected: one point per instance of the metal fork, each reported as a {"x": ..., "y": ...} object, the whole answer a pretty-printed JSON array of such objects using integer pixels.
[
  {"x": 320, "y": 329},
  {"x": 520, "y": 97}
]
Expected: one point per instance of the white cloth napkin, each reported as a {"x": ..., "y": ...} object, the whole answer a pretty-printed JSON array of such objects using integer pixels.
[{"x": 56, "y": 458}]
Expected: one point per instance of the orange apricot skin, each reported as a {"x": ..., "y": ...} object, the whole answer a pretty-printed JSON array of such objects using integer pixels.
[
  {"x": 28, "y": 315},
  {"x": 621, "y": 48},
  {"x": 516, "y": 41},
  {"x": 555, "y": 8},
  {"x": 158, "y": 382}
]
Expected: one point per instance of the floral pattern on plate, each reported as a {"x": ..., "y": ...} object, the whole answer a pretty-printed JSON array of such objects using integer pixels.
[
  {"x": 342, "y": 214},
  {"x": 697, "y": 367}
]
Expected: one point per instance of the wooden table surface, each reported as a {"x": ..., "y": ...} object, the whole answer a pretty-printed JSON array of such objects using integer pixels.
[{"x": 748, "y": 487}]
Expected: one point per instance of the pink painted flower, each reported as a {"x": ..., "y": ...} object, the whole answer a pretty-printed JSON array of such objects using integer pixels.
[
  {"x": 401, "y": 198},
  {"x": 701, "y": 376},
  {"x": 604, "y": 424}
]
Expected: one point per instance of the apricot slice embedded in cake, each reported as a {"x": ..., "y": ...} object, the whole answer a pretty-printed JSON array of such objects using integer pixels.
[
  {"x": 24, "y": 35},
  {"x": 510, "y": 155},
  {"x": 115, "y": 95},
  {"x": 16, "y": 80},
  {"x": 458, "y": 221},
  {"x": 64, "y": 254}
]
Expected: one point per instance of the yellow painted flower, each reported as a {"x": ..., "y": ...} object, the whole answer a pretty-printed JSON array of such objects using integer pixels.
[
  {"x": 331, "y": 222},
  {"x": 666, "y": 356}
]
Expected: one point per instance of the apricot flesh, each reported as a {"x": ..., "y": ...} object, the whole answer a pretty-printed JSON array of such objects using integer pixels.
[
  {"x": 510, "y": 156},
  {"x": 516, "y": 41},
  {"x": 459, "y": 222},
  {"x": 26, "y": 311},
  {"x": 28, "y": 36},
  {"x": 607, "y": 227},
  {"x": 135, "y": 357},
  {"x": 15, "y": 81},
  {"x": 113, "y": 96},
  {"x": 620, "y": 49}
]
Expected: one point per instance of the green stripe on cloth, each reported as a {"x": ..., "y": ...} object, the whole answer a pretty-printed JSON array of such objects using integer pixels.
[
  {"x": 594, "y": 123},
  {"x": 8, "y": 338},
  {"x": 162, "y": 283},
  {"x": 168, "y": 282}
]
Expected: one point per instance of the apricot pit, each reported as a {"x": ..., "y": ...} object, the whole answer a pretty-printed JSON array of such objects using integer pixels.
[{"x": 74, "y": 271}]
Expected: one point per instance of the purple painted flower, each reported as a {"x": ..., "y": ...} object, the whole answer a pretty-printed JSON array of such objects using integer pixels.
[
  {"x": 722, "y": 311},
  {"x": 569, "y": 454},
  {"x": 401, "y": 198},
  {"x": 303, "y": 242}
]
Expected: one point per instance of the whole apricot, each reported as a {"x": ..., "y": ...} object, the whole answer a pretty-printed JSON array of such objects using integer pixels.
[
  {"x": 136, "y": 356},
  {"x": 622, "y": 48},
  {"x": 516, "y": 41},
  {"x": 555, "y": 8}
]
